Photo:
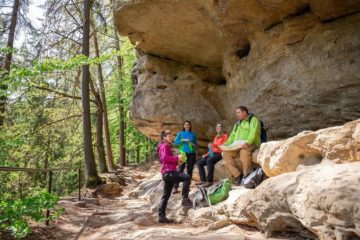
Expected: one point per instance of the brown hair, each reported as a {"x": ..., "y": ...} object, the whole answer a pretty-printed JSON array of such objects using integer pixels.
[
  {"x": 187, "y": 121},
  {"x": 223, "y": 129},
  {"x": 164, "y": 134},
  {"x": 244, "y": 109}
]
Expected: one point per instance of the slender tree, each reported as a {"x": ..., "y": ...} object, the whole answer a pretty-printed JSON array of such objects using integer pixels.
[
  {"x": 91, "y": 173},
  {"x": 109, "y": 153},
  {"x": 8, "y": 59},
  {"x": 99, "y": 129},
  {"x": 122, "y": 148}
]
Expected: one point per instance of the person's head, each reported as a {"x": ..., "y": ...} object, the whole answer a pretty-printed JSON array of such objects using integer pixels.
[
  {"x": 166, "y": 136},
  {"x": 187, "y": 126},
  {"x": 220, "y": 129},
  {"x": 242, "y": 112}
]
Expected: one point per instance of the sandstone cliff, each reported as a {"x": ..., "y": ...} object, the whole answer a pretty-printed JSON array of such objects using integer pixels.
[{"x": 293, "y": 63}]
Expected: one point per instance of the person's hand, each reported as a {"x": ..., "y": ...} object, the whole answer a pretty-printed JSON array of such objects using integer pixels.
[
  {"x": 203, "y": 156},
  {"x": 186, "y": 140},
  {"x": 181, "y": 158},
  {"x": 210, "y": 145},
  {"x": 245, "y": 145}
]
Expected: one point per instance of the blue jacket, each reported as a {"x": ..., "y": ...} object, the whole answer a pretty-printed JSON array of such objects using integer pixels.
[{"x": 184, "y": 146}]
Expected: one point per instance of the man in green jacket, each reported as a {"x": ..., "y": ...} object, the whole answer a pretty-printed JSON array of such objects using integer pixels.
[{"x": 248, "y": 131}]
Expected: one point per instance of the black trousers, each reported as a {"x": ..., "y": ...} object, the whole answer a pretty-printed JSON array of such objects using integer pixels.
[
  {"x": 191, "y": 159},
  {"x": 169, "y": 179},
  {"x": 210, "y": 163}
]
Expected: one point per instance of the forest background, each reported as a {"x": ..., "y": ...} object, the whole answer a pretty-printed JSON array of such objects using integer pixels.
[{"x": 61, "y": 106}]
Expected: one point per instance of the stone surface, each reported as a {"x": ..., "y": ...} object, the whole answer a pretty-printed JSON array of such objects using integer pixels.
[
  {"x": 109, "y": 190},
  {"x": 339, "y": 144},
  {"x": 80, "y": 204},
  {"x": 293, "y": 63},
  {"x": 322, "y": 201}
]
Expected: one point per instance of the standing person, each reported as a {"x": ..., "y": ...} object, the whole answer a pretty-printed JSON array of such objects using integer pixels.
[
  {"x": 186, "y": 140},
  {"x": 247, "y": 129},
  {"x": 211, "y": 157},
  {"x": 169, "y": 175}
]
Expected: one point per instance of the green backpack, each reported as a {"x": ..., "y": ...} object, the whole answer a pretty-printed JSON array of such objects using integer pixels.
[
  {"x": 215, "y": 194},
  {"x": 219, "y": 191}
]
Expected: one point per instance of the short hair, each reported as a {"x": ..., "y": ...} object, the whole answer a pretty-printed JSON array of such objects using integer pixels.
[{"x": 243, "y": 108}]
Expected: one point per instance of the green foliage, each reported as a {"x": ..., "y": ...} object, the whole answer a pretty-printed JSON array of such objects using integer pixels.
[
  {"x": 43, "y": 128},
  {"x": 15, "y": 214},
  {"x": 120, "y": 91},
  {"x": 21, "y": 75},
  {"x": 51, "y": 65}
]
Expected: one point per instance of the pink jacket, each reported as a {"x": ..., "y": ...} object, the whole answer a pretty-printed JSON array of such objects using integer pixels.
[{"x": 167, "y": 159}]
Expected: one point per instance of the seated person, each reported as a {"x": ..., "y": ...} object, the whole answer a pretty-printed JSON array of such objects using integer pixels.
[
  {"x": 247, "y": 130},
  {"x": 211, "y": 157}
]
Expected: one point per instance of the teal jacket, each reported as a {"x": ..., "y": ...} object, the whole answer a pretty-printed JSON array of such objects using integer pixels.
[{"x": 184, "y": 146}]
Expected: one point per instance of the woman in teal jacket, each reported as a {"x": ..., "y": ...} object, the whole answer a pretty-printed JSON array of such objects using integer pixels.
[{"x": 186, "y": 140}]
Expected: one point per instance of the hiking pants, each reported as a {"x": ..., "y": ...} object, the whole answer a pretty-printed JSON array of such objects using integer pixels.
[
  {"x": 245, "y": 160},
  {"x": 169, "y": 179},
  {"x": 210, "y": 164},
  {"x": 191, "y": 159}
]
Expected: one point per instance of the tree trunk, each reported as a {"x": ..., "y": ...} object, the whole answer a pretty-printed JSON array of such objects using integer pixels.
[
  {"x": 122, "y": 136},
  {"x": 8, "y": 59},
  {"x": 129, "y": 156},
  {"x": 100, "y": 140},
  {"x": 138, "y": 154},
  {"x": 104, "y": 106},
  {"x": 122, "y": 149},
  {"x": 92, "y": 178},
  {"x": 99, "y": 128}
]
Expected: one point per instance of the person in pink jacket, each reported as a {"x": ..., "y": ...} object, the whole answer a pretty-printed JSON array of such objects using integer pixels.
[{"x": 170, "y": 175}]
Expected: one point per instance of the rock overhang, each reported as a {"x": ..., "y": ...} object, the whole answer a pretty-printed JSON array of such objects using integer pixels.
[
  {"x": 259, "y": 51},
  {"x": 199, "y": 32}
]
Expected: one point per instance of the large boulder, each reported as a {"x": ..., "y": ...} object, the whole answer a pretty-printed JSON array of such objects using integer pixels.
[
  {"x": 293, "y": 63},
  {"x": 322, "y": 201},
  {"x": 339, "y": 144},
  {"x": 318, "y": 201}
]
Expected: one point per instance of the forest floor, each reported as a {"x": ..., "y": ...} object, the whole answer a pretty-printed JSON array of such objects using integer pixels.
[{"x": 126, "y": 217}]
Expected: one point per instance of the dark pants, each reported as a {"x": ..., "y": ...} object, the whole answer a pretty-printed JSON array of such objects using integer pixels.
[
  {"x": 210, "y": 163},
  {"x": 191, "y": 159},
  {"x": 169, "y": 179}
]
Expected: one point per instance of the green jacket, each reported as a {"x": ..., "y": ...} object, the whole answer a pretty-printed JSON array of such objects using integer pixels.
[{"x": 245, "y": 130}]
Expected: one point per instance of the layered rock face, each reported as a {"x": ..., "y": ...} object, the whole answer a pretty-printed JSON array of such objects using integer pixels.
[
  {"x": 324, "y": 201},
  {"x": 339, "y": 144},
  {"x": 293, "y": 63}
]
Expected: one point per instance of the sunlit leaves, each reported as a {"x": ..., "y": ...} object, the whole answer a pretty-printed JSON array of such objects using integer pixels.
[{"x": 15, "y": 213}]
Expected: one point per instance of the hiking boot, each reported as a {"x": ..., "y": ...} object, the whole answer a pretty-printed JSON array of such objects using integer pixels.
[
  {"x": 238, "y": 180},
  {"x": 163, "y": 219},
  {"x": 207, "y": 184},
  {"x": 175, "y": 191},
  {"x": 199, "y": 183},
  {"x": 186, "y": 202}
]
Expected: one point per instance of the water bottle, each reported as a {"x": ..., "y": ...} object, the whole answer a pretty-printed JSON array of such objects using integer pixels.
[{"x": 211, "y": 153}]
